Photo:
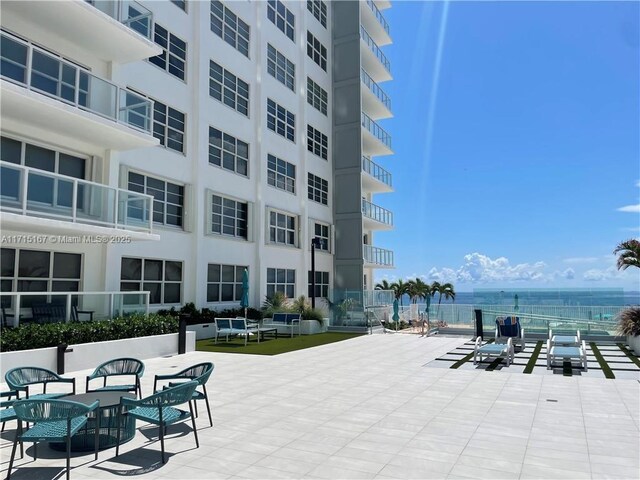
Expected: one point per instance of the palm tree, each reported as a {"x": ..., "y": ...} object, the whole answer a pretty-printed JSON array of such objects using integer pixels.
[
  {"x": 399, "y": 288},
  {"x": 384, "y": 285},
  {"x": 446, "y": 290},
  {"x": 418, "y": 289},
  {"x": 629, "y": 251}
]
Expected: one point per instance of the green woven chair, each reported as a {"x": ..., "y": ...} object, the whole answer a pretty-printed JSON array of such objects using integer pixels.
[
  {"x": 118, "y": 367},
  {"x": 199, "y": 373},
  {"x": 21, "y": 378},
  {"x": 159, "y": 409},
  {"x": 8, "y": 413},
  {"x": 53, "y": 421}
]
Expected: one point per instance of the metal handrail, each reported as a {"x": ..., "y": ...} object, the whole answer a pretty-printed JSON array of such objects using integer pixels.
[
  {"x": 376, "y": 130},
  {"x": 377, "y": 213},
  {"x": 375, "y": 89},
  {"x": 378, "y": 15},
  {"x": 375, "y": 48},
  {"x": 377, "y": 255},
  {"x": 376, "y": 171}
]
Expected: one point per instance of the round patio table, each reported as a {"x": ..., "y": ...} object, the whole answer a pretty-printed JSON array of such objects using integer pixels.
[{"x": 84, "y": 439}]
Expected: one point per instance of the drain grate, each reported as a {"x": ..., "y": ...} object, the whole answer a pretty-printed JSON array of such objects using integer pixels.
[{"x": 552, "y": 400}]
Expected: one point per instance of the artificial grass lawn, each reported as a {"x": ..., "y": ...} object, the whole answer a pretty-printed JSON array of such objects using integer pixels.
[{"x": 272, "y": 346}]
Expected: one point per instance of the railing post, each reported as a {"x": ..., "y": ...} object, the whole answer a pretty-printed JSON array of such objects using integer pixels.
[
  {"x": 24, "y": 190},
  {"x": 110, "y": 306},
  {"x": 67, "y": 313},
  {"x": 16, "y": 313},
  {"x": 146, "y": 299},
  {"x": 74, "y": 201}
]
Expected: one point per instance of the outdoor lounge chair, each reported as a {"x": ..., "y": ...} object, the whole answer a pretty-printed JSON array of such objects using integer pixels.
[
  {"x": 566, "y": 353},
  {"x": 54, "y": 421},
  {"x": 21, "y": 378},
  {"x": 493, "y": 350},
  {"x": 510, "y": 327},
  {"x": 118, "y": 367},
  {"x": 159, "y": 409}
]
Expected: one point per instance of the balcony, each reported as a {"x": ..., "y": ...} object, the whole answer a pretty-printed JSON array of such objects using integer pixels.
[
  {"x": 373, "y": 60},
  {"x": 375, "y": 141},
  {"x": 375, "y": 257},
  {"x": 375, "y": 102},
  {"x": 374, "y": 22},
  {"x": 34, "y": 200},
  {"x": 376, "y": 217},
  {"x": 117, "y": 31},
  {"x": 48, "y": 97},
  {"x": 383, "y": 4},
  {"x": 376, "y": 178}
]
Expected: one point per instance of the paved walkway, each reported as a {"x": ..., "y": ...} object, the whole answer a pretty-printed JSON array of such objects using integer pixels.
[{"x": 369, "y": 408}]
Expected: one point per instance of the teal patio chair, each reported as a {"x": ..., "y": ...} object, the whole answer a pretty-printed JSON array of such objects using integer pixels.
[
  {"x": 199, "y": 373},
  {"x": 159, "y": 409},
  {"x": 118, "y": 367},
  {"x": 7, "y": 414},
  {"x": 21, "y": 378},
  {"x": 53, "y": 421}
]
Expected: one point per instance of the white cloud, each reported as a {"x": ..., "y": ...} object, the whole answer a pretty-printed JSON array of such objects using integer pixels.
[
  {"x": 630, "y": 208},
  {"x": 580, "y": 260},
  {"x": 568, "y": 274}
]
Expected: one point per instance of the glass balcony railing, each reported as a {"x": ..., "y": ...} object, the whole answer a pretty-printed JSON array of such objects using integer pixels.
[
  {"x": 375, "y": 49},
  {"x": 377, "y": 256},
  {"x": 130, "y": 13},
  {"x": 376, "y": 130},
  {"x": 376, "y": 171},
  {"x": 38, "y": 193},
  {"x": 377, "y": 213},
  {"x": 375, "y": 89},
  {"x": 40, "y": 71},
  {"x": 378, "y": 15}
]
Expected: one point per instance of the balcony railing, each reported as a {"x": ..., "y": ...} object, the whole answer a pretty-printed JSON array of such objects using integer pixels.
[
  {"x": 378, "y": 15},
  {"x": 377, "y": 213},
  {"x": 375, "y": 89},
  {"x": 130, "y": 13},
  {"x": 40, "y": 71},
  {"x": 38, "y": 193},
  {"x": 376, "y": 171},
  {"x": 375, "y": 49},
  {"x": 377, "y": 256},
  {"x": 376, "y": 130}
]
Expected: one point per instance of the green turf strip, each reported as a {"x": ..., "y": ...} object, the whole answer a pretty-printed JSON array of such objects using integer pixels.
[
  {"x": 629, "y": 354},
  {"x": 273, "y": 346},
  {"x": 567, "y": 369},
  {"x": 608, "y": 373},
  {"x": 465, "y": 359},
  {"x": 534, "y": 358}
]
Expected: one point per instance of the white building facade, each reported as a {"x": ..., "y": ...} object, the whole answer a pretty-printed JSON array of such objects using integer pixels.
[{"x": 166, "y": 146}]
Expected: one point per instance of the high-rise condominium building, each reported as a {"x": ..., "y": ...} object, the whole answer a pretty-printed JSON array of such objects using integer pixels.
[{"x": 165, "y": 146}]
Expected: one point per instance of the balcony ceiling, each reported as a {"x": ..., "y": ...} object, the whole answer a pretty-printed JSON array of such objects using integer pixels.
[
  {"x": 77, "y": 30},
  {"x": 372, "y": 65},
  {"x": 373, "y": 26},
  {"x": 51, "y": 120},
  {"x": 371, "y": 146},
  {"x": 371, "y": 224},
  {"x": 373, "y": 185},
  {"x": 372, "y": 105}
]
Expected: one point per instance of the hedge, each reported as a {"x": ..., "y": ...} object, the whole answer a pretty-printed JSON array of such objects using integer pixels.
[{"x": 30, "y": 336}]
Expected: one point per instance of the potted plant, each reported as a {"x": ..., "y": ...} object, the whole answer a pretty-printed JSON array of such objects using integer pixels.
[{"x": 629, "y": 325}]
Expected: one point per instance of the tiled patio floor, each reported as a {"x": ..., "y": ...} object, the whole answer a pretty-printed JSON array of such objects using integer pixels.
[{"x": 368, "y": 408}]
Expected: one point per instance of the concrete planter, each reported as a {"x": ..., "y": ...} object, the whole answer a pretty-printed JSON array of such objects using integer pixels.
[
  {"x": 311, "y": 327},
  {"x": 634, "y": 343},
  {"x": 90, "y": 355}
]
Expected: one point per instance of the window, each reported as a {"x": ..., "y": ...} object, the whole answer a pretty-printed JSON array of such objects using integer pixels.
[
  {"x": 224, "y": 283},
  {"x": 282, "y": 18},
  {"x": 316, "y": 51},
  {"x": 281, "y": 68},
  {"x": 282, "y": 228},
  {"x": 322, "y": 284},
  {"x": 280, "y": 120},
  {"x": 168, "y": 126},
  {"x": 228, "y": 152},
  {"x": 281, "y": 174},
  {"x": 168, "y": 198},
  {"x": 225, "y": 87},
  {"x": 319, "y": 10},
  {"x": 321, "y": 231},
  {"x": 163, "y": 278},
  {"x": 317, "y": 189},
  {"x": 281, "y": 280},
  {"x": 228, "y": 26},
  {"x": 317, "y": 142},
  {"x": 182, "y": 4},
  {"x": 174, "y": 52},
  {"x": 38, "y": 271},
  {"x": 229, "y": 217},
  {"x": 316, "y": 96}
]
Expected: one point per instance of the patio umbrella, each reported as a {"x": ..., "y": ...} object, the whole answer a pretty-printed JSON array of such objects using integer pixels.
[
  {"x": 515, "y": 303},
  {"x": 244, "y": 301},
  {"x": 395, "y": 317}
]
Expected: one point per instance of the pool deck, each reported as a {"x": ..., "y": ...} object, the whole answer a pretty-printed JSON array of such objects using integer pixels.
[{"x": 369, "y": 408}]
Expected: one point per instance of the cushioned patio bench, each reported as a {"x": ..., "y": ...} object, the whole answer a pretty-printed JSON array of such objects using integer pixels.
[
  {"x": 286, "y": 321},
  {"x": 231, "y": 327}
]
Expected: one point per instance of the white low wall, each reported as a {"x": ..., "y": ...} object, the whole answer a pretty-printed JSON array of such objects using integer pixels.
[
  {"x": 90, "y": 355},
  {"x": 203, "y": 330},
  {"x": 307, "y": 327}
]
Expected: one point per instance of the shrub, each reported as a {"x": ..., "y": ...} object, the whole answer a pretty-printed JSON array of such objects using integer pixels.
[
  {"x": 629, "y": 321},
  {"x": 31, "y": 336}
]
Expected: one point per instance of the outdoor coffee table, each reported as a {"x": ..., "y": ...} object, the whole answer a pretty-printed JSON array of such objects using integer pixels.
[
  {"x": 84, "y": 440},
  {"x": 263, "y": 330}
]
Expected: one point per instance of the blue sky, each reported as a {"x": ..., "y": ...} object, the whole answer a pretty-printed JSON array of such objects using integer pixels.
[{"x": 517, "y": 136}]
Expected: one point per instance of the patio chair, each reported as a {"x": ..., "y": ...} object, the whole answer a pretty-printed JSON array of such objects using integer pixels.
[
  {"x": 159, "y": 409},
  {"x": 567, "y": 353},
  {"x": 116, "y": 368},
  {"x": 493, "y": 350},
  {"x": 54, "y": 421},
  {"x": 199, "y": 373},
  {"x": 231, "y": 327},
  {"x": 7, "y": 414},
  {"x": 510, "y": 327},
  {"x": 21, "y": 378}
]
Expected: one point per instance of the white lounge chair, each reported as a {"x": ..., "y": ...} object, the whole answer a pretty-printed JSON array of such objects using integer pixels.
[
  {"x": 561, "y": 352},
  {"x": 493, "y": 350}
]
